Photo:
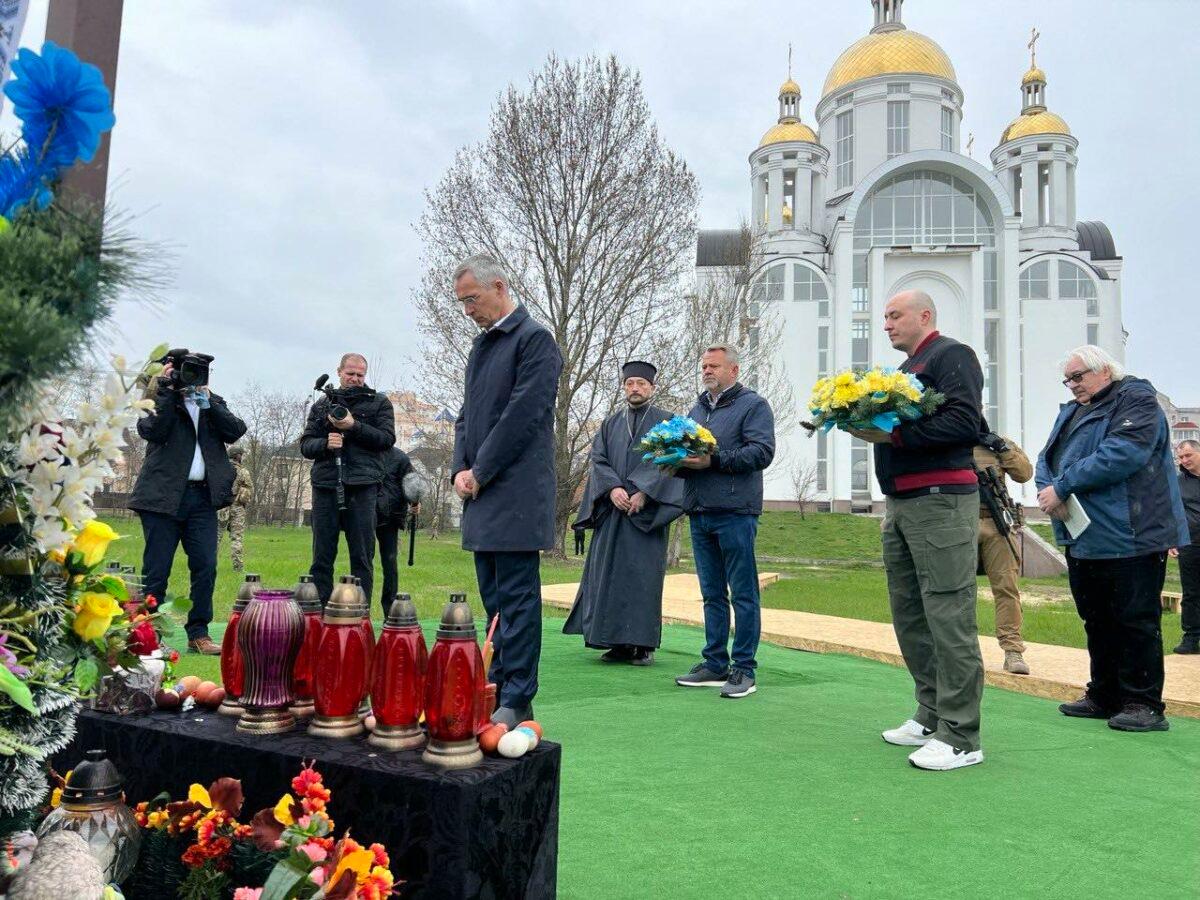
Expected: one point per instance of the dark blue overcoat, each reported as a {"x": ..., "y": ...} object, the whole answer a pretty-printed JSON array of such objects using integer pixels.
[{"x": 505, "y": 434}]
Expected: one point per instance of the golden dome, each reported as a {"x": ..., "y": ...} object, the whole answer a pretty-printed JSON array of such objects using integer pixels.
[
  {"x": 887, "y": 53},
  {"x": 1034, "y": 123},
  {"x": 789, "y": 87},
  {"x": 1034, "y": 74},
  {"x": 788, "y": 131}
]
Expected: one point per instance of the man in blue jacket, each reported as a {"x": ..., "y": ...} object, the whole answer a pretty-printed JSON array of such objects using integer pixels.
[
  {"x": 503, "y": 471},
  {"x": 723, "y": 496},
  {"x": 1110, "y": 448}
]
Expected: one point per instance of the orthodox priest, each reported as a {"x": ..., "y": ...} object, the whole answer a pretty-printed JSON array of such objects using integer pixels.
[{"x": 630, "y": 504}]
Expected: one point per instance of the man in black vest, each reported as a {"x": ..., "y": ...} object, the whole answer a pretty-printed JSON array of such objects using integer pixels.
[
  {"x": 185, "y": 479},
  {"x": 361, "y": 438},
  {"x": 930, "y": 535},
  {"x": 503, "y": 471}
]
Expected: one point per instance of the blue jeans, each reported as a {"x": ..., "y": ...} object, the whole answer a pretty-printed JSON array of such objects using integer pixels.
[{"x": 723, "y": 546}]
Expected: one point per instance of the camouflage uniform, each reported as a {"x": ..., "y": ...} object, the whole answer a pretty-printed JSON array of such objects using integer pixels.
[{"x": 233, "y": 517}]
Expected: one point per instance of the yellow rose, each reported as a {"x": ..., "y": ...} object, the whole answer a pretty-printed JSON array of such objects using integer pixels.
[
  {"x": 92, "y": 543},
  {"x": 95, "y": 615}
]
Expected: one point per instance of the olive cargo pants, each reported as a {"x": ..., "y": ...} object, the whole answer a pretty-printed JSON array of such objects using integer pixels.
[{"x": 930, "y": 553}]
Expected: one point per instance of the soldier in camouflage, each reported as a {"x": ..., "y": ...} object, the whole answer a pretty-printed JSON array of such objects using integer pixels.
[{"x": 233, "y": 517}]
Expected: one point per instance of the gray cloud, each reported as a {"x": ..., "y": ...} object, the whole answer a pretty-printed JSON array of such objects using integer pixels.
[{"x": 283, "y": 147}]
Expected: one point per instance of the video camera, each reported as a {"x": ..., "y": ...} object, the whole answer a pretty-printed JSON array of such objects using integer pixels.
[
  {"x": 190, "y": 370},
  {"x": 337, "y": 409}
]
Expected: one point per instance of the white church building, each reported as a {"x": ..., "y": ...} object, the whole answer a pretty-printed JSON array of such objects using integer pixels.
[{"x": 878, "y": 196}]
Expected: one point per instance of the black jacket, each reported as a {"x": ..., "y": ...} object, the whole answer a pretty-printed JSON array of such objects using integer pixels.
[
  {"x": 744, "y": 427},
  {"x": 170, "y": 446},
  {"x": 363, "y": 447},
  {"x": 1189, "y": 489},
  {"x": 392, "y": 506},
  {"x": 505, "y": 435},
  {"x": 935, "y": 450}
]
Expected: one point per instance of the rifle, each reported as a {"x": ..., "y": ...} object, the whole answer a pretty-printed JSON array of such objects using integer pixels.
[{"x": 1000, "y": 505}]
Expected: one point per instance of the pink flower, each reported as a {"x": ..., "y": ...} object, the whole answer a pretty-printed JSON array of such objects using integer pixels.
[
  {"x": 247, "y": 893},
  {"x": 304, "y": 821},
  {"x": 315, "y": 852},
  {"x": 317, "y": 875}
]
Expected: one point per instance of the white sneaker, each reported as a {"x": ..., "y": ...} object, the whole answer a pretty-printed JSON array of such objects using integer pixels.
[
  {"x": 938, "y": 756},
  {"x": 910, "y": 734}
]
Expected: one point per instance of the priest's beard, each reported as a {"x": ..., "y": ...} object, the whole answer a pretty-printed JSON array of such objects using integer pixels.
[{"x": 637, "y": 403}]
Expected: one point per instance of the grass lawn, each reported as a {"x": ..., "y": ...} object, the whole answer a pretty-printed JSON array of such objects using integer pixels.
[{"x": 281, "y": 554}]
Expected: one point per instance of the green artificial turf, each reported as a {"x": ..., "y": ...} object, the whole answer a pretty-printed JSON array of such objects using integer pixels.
[{"x": 673, "y": 792}]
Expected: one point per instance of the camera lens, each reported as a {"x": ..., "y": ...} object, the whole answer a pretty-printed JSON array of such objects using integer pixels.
[{"x": 339, "y": 412}]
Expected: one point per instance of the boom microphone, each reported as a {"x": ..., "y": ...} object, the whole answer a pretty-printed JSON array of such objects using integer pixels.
[{"x": 321, "y": 382}]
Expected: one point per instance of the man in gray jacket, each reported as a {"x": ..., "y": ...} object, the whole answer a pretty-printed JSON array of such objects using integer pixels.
[{"x": 723, "y": 496}]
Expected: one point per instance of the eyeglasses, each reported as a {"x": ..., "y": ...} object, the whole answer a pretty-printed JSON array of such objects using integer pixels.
[{"x": 1075, "y": 377}]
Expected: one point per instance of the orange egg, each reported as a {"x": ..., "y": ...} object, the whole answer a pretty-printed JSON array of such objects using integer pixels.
[
  {"x": 490, "y": 739},
  {"x": 188, "y": 685},
  {"x": 532, "y": 725}
]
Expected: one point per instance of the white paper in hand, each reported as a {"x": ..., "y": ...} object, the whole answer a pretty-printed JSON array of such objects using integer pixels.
[{"x": 1077, "y": 519}]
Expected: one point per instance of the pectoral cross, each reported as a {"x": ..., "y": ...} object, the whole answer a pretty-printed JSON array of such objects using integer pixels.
[
  {"x": 1034, "y": 34},
  {"x": 970, "y": 144}
]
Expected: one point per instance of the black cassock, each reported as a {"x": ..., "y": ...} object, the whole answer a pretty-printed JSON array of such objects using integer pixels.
[{"x": 620, "y": 597}]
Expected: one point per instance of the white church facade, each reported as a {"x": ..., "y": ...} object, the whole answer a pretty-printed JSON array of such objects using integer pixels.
[{"x": 877, "y": 197}]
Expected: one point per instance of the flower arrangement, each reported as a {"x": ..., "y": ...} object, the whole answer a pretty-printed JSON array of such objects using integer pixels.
[
  {"x": 670, "y": 441},
  {"x": 295, "y": 838},
  {"x": 878, "y": 398},
  {"x": 60, "y": 617}
]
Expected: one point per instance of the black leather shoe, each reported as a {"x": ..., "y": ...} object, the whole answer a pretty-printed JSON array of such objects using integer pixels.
[
  {"x": 1188, "y": 646},
  {"x": 1085, "y": 708},
  {"x": 507, "y": 715},
  {"x": 619, "y": 654},
  {"x": 1138, "y": 717},
  {"x": 642, "y": 657}
]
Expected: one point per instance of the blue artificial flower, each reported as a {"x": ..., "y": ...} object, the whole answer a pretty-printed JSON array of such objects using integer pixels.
[
  {"x": 23, "y": 181},
  {"x": 62, "y": 103}
]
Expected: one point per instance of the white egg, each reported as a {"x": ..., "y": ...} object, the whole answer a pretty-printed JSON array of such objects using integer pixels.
[
  {"x": 531, "y": 734},
  {"x": 513, "y": 744}
]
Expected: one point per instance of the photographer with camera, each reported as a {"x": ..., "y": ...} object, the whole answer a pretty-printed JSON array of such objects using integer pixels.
[
  {"x": 185, "y": 479},
  {"x": 347, "y": 436}
]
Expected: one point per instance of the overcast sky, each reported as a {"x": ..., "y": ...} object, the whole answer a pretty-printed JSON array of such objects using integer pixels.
[{"x": 282, "y": 148}]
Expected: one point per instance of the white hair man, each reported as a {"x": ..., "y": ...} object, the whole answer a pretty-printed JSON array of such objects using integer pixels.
[{"x": 1110, "y": 450}]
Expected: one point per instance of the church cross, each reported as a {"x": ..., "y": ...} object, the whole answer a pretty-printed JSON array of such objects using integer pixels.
[
  {"x": 789, "y": 60},
  {"x": 970, "y": 144},
  {"x": 1034, "y": 34}
]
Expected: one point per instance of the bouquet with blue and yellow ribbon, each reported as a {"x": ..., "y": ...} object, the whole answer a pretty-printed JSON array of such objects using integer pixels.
[
  {"x": 878, "y": 398},
  {"x": 672, "y": 440}
]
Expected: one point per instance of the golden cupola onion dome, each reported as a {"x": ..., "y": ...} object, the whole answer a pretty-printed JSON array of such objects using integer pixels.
[
  {"x": 1043, "y": 122},
  {"x": 789, "y": 87},
  {"x": 788, "y": 131},
  {"x": 895, "y": 52},
  {"x": 1034, "y": 74}
]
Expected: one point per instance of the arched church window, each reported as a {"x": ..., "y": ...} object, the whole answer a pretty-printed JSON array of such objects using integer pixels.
[
  {"x": 1035, "y": 282},
  {"x": 923, "y": 208},
  {"x": 767, "y": 288},
  {"x": 1074, "y": 282}
]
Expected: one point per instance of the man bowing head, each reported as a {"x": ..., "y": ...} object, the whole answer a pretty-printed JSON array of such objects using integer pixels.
[{"x": 631, "y": 504}]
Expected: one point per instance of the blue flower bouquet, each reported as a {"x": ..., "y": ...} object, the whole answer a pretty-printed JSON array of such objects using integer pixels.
[{"x": 669, "y": 442}]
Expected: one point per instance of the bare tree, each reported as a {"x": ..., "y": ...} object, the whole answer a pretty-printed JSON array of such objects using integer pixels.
[
  {"x": 574, "y": 192},
  {"x": 274, "y": 421},
  {"x": 804, "y": 484}
]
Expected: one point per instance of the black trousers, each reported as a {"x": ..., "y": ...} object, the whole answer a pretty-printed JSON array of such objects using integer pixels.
[
  {"x": 1189, "y": 574},
  {"x": 358, "y": 523},
  {"x": 510, "y": 583},
  {"x": 195, "y": 526},
  {"x": 1120, "y": 602},
  {"x": 388, "y": 536}
]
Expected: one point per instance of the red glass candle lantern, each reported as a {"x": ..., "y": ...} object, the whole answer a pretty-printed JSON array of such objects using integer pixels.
[
  {"x": 454, "y": 690},
  {"x": 233, "y": 671},
  {"x": 339, "y": 669},
  {"x": 309, "y": 600},
  {"x": 269, "y": 636},
  {"x": 368, "y": 627},
  {"x": 398, "y": 686}
]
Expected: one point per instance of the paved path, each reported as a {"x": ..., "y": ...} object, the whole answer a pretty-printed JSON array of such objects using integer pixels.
[{"x": 1059, "y": 673}]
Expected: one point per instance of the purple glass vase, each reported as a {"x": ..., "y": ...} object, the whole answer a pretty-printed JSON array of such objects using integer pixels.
[{"x": 269, "y": 636}]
